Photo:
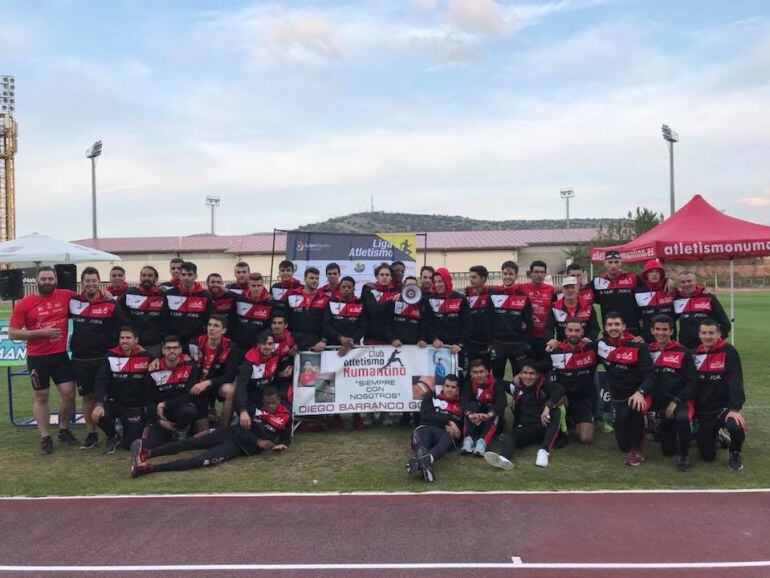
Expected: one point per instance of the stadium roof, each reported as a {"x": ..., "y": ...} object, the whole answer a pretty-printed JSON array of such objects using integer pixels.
[{"x": 263, "y": 242}]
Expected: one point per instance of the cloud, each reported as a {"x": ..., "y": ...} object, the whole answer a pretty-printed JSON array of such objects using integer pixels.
[
  {"x": 479, "y": 16},
  {"x": 763, "y": 200}
]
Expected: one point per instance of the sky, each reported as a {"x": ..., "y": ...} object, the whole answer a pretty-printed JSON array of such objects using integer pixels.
[{"x": 294, "y": 112}]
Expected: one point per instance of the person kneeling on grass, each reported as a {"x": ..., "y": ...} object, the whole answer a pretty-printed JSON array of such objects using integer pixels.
[
  {"x": 268, "y": 429},
  {"x": 536, "y": 418},
  {"x": 485, "y": 404},
  {"x": 441, "y": 422}
]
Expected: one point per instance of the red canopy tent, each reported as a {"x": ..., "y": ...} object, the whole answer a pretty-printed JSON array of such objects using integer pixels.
[{"x": 695, "y": 232}]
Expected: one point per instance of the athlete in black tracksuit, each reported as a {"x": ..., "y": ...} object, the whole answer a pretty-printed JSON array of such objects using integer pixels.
[
  {"x": 528, "y": 405},
  {"x": 306, "y": 316},
  {"x": 691, "y": 309},
  {"x": 344, "y": 317},
  {"x": 479, "y": 340},
  {"x": 510, "y": 324},
  {"x": 717, "y": 391},
  {"x": 171, "y": 386},
  {"x": 408, "y": 322},
  {"x": 431, "y": 440},
  {"x": 144, "y": 306},
  {"x": 573, "y": 366},
  {"x": 269, "y": 428},
  {"x": 120, "y": 389},
  {"x": 674, "y": 368},
  {"x": 378, "y": 310},
  {"x": 629, "y": 369},
  {"x": 186, "y": 312}
]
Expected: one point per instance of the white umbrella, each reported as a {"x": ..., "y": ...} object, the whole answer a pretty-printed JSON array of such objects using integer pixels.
[{"x": 36, "y": 249}]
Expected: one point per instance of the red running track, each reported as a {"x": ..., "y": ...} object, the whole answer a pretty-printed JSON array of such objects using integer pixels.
[{"x": 443, "y": 529}]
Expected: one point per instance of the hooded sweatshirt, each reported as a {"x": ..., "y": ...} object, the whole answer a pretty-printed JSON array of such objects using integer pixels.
[
  {"x": 448, "y": 315},
  {"x": 652, "y": 299}
]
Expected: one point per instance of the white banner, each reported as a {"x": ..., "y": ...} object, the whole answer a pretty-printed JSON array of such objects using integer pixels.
[{"x": 372, "y": 378}]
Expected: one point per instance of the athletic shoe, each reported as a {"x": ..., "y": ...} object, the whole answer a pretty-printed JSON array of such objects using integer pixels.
[
  {"x": 412, "y": 465},
  {"x": 138, "y": 454},
  {"x": 46, "y": 445},
  {"x": 139, "y": 470},
  {"x": 607, "y": 428},
  {"x": 111, "y": 444},
  {"x": 723, "y": 438},
  {"x": 542, "y": 458},
  {"x": 467, "y": 445},
  {"x": 682, "y": 463},
  {"x": 635, "y": 458},
  {"x": 65, "y": 437},
  {"x": 90, "y": 441},
  {"x": 425, "y": 463},
  {"x": 498, "y": 461},
  {"x": 480, "y": 449},
  {"x": 735, "y": 463}
]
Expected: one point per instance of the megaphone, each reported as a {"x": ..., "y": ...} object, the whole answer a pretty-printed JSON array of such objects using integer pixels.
[{"x": 411, "y": 294}]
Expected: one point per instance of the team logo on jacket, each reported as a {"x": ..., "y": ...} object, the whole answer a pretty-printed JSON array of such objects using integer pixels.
[
  {"x": 77, "y": 307},
  {"x": 117, "y": 364},
  {"x": 644, "y": 299},
  {"x": 336, "y": 307},
  {"x": 560, "y": 315},
  {"x": 176, "y": 302},
  {"x": 258, "y": 371},
  {"x": 439, "y": 403},
  {"x": 601, "y": 283},
  {"x": 713, "y": 362},
  {"x": 295, "y": 301}
]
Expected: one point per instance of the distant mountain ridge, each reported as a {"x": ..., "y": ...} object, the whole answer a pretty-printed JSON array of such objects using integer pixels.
[{"x": 382, "y": 222}]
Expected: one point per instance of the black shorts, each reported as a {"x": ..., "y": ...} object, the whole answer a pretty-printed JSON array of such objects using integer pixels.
[
  {"x": 86, "y": 371},
  {"x": 580, "y": 410},
  {"x": 44, "y": 368}
]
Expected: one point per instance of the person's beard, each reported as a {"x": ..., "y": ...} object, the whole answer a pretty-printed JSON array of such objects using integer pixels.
[
  {"x": 46, "y": 288},
  {"x": 147, "y": 285}
]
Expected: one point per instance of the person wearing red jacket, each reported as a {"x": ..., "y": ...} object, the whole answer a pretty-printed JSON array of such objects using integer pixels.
[
  {"x": 267, "y": 428},
  {"x": 252, "y": 309},
  {"x": 585, "y": 291},
  {"x": 692, "y": 304},
  {"x": 306, "y": 313},
  {"x": 477, "y": 295},
  {"x": 257, "y": 372},
  {"x": 378, "y": 300},
  {"x": 144, "y": 307},
  {"x": 118, "y": 283},
  {"x": 187, "y": 307},
  {"x": 571, "y": 306},
  {"x": 175, "y": 268},
  {"x": 510, "y": 321},
  {"x": 242, "y": 271},
  {"x": 286, "y": 282},
  {"x": 653, "y": 298},
  {"x": 222, "y": 299},
  {"x": 541, "y": 296},
  {"x": 448, "y": 316},
  {"x": 285, "y": 348},
  {"x": 484, "y": 403},
  {"x": 332, "y": 279},
  {"x": 41, "y": 320}
]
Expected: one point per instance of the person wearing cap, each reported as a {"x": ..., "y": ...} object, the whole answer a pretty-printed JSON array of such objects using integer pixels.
[
  {"x": 571, "y": 306},
  {"x": 585, "y": 290},
  {"x": 614, "y": 291},
  {"x": 653, "y": 298}
]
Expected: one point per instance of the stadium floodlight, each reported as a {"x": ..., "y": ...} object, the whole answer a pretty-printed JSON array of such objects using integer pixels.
[
  {"x": 7, "y": 94},
  {"x": 567, "y": 194},
  {"x": 212, "y": 202},
  {"x": 670, "y": 137},
  {"x": 92, "y": 152}
]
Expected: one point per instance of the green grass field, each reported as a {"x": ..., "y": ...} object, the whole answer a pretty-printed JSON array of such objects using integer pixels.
[{"x": 373, "y": 460}]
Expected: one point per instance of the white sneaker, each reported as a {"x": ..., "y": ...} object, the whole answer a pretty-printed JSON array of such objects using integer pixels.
[
  {"x": 542, "y": 458},
  {"x": 498, "y": 461},
  {"x": 481, "y": 448},
  {"x": 467, "y": 445}
]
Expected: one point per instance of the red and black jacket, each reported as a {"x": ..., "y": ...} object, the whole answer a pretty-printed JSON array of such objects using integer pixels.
[
  {"x": 408, "y": 322},
  {"x": 618, "y": 295},
  {"x": 95, "y": 325},
  {"x": 540, "y": 298},
  {"x": 238, "y": 288},
  {"x": 652, "y": 301},
  {"x": 439, "y": 411},
  {"x": 280, "y": 291},
  {"x": 673, "y": 370},
  {"x": 144, "y": 310},
  {"x": 719, "y": 382},
  {"x": 560, "y": 312},
  {"x": 252, "y": 316},
  {"x": 585, "y": 292},
  {"x": 271, "y": 426},
  {"x": 117, "y": 293},
  {"x": 486, "y": 397},
  {"x": 123, "y": 378},
  {"x": 170, "y": 385},
  {"x": 330, "y": 291},
  {"x": 255, "y": 374},
  {"x": 170, "y": 284},
  {"x": 284, "y": 347},
  {"x": 692, "y": 310},
  {"x": 186, "y": 313},
  {"x": 478, "y": 313},
  {"x": 530, "y": 401},
  {"x": 344, "y": 317},
  {"x": 223, "y": 303},
  {"x": 378, "y": 310},
  {"x": 510, "y": 314},
  {"x": 219, "y": 364},
  {"x": 628, "y": 366},
  {"x": 573, "y": 369},
  {"x": 306, "y": 316}
]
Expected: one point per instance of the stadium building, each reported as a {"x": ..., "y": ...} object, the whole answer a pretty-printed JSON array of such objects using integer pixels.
[{"x": 455, "y": 250}]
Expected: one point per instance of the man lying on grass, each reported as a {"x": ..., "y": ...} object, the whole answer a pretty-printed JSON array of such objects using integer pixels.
[
  {"x": 268, "y": 429},
  {"x": 441, "y": 422}
]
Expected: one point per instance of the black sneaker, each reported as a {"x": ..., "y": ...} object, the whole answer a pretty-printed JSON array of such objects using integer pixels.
[
  {"x": 682, "y": 463},
  {"x": 412, "y": 465},
  {"x": 90, "y": 441},
  {"x": 46, "y": 445},
  {"x": 111, "y": 444},
  {"x": 65, "y": 437},
  {"x": 425, "y": 463},
  {"x": 735, "y": 463}
]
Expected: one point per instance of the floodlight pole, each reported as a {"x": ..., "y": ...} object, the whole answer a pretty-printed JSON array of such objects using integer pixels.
[
  {"x": 670, "y": 137},
  {"x": 567, "y": 194},
  {"x": 92, "y": 153},
  {"x": 212, "y": 202}
]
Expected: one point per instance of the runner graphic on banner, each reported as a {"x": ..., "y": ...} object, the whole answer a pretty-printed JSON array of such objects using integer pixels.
[
  {"x": 372, "y": 378},
  {"x": 356, "y": 254}
]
